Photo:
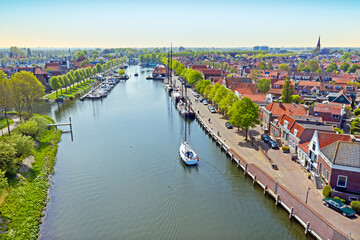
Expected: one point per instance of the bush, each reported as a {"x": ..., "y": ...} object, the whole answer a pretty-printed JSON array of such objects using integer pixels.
[
  {"x": 3, "y": 180},
  {"x": 356, "y": 206},
  {"x": 285, "y": 148},
  {"x": 326, "y": 191},
  {"x": 357, "y": 112},
  {"x": 341, "y": 199},
  {"x": 41, "y": 122},
  {"x": 23, "y": 145},
  {"x": 7, "y": 157},
  {"x": 29, "y": 128}
]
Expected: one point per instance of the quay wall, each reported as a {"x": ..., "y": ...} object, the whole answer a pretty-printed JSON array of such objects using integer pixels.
[{"x": 313, "y": 223}]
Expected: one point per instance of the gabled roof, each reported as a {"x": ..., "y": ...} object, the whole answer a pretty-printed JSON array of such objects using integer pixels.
[
  {"x": 328, "y": 108},
  {"x": 343, "y": 153},
  {"x": 279, "y": 109},
  {"x": 326, "y": 139}
]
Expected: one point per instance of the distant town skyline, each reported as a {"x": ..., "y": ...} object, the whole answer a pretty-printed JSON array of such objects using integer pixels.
[{"x": 138, "y": 23}]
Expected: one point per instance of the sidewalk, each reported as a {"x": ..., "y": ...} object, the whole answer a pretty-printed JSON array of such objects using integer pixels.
[
  {"x": 289, "y": 174},
  {"x": 16, "y": 120}
]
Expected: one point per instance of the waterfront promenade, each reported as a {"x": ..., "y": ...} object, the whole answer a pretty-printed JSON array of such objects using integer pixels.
[{"x": 289, "y": 173}]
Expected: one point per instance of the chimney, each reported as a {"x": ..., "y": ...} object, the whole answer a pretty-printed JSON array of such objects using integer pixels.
[
  {"x": 307, "y": 112},
  {"x": 280, "y": 104}
]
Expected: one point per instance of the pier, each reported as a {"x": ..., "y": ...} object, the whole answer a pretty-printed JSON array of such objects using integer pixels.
[{"x": 56, "y": 125}]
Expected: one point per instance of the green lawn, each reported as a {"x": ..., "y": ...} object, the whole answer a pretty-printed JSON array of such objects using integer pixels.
[
  {"x": 3, "y": 122},
  {"x": 78, "y": 88},
  {"x": 21, "y": 208}
]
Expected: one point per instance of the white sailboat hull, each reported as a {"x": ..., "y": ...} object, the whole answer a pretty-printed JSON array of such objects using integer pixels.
[{"x": 187, "y": 154}]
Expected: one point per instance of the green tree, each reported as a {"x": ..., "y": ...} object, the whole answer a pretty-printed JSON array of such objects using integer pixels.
[
  {"x": 54, "y": 84},
  {"x": 353, "y": 68},
  {"x": 31, "y": 88},
  {"x": 207, "y": 90},
  {"x": 61, "y": 82},
  {"x": 284, "y": 67},
  {"x": 263, "y": 85},
  {"x": 305, "y": 69},
  {"x": 296, "y": 99},
  {"x": 244, "y": 113},
  {"x": 220, "y": 94},
  {"x": 213, "y": 91},
  {"x": 78, "y": 76},
  {"x": 287, "y": 91},
  {"x": 193, "y": 77},
  {"x": 270, "y": 65},
  {"x": 346, "y": 57},
  {"x": 98, "y": 67},
  {"x": 5, "y": 96},
  {"x": 262, "y": 66},
  {"x": 301, "y": 66},
  {"x": 313, "y": 65},
  {"x": 332, "y": 67},
  {"x": 202, "y": 85},
  {"x": 345, "y": 66},
  {"x": 228, "y": 101}
]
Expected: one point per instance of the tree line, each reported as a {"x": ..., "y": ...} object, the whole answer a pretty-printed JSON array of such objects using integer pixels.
[
  {"x": 79, "y": 75},
  {"x": 242, "y": 112}
]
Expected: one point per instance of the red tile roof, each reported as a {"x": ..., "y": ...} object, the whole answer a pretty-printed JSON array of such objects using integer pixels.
[
  {"x": 328, "y": 108},
  {"x": 326, "y": 139},
  {"x": 279, "y": 109}
]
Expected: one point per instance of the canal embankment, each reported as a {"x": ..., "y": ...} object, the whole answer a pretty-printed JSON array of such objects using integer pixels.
[{"x": 287, "y": 185}]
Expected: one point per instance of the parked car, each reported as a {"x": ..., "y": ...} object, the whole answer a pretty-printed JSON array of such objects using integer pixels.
[
  {"x": 205, "y": 102},
  {"x": 339, "y": 206},
  {"x": 228, "y": 125},
  {"x": 201, "y": 99},
  {"x": 273, "y": 144},
  {"x": 212, "y": 109},
  {"x": 265, "y": 137},
  {"x": 188, "y": 85},
  {"x": 196, "y": 94}
]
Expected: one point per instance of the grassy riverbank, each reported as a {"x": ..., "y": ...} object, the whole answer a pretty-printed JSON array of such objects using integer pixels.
[
  {"x": 76, "y": 89},
  {"x": 25, "y": 198},
  {"x": 3, "y": 123}
]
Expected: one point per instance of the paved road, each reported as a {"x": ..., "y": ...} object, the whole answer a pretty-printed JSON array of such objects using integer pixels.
[{"x": 289, "y": 174}]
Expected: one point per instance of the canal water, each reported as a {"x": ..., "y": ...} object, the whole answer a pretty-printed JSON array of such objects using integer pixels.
[{"x": 122, "y": 178}]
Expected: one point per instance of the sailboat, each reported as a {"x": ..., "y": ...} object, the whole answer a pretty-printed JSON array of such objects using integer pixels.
[
  {"x": 187, "y": 154},
  {"x": 182, "y": 105}
]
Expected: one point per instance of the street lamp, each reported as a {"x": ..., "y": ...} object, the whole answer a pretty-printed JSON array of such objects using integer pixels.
[{"x": 307, "y": 194}]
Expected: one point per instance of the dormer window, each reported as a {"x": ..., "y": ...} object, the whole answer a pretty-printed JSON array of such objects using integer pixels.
[
  {"x": 349, "y": 87},
  {"x": 296, "y": 132},
  {"x": 286, "y": 123}
]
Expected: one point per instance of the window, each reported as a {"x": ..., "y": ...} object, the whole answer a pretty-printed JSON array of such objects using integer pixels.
[
  {"x": 316, "y": 114},
  {"x": 286, "y": 123},
  {"x": 353, "y": 199},
  {"x": 323, "y": 171},
  {"x": 335, "y": 116},
  {"x": 313, "y": 146},
  {"x": 341, "y": 182},
  {"x": 327, "y": 175},
  {"x": 296, "y": 132}
]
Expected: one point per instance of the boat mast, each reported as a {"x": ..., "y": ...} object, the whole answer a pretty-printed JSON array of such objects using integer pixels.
[
  {"x": 185, "y": 99},
  {"x": 170, "y": 65}
]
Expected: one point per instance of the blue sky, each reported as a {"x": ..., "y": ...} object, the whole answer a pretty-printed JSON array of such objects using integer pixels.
[{"x": 139, "y": 23}]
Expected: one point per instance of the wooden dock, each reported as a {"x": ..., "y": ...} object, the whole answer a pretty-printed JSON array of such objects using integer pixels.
[{"x": 56, "y": 125}]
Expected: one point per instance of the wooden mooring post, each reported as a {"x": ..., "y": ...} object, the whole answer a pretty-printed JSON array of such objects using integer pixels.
[{"x": 64, "y": 124}]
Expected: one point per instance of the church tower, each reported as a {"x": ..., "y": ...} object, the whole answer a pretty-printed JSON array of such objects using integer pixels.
[{"x": 318, "y": 46}]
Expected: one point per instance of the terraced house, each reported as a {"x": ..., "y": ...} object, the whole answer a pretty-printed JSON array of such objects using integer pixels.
[{"x": 339, "y": 166}]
